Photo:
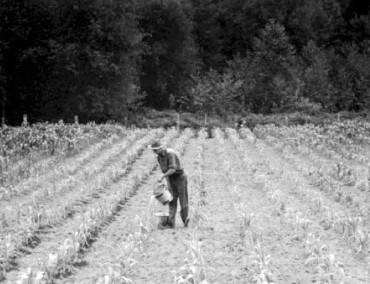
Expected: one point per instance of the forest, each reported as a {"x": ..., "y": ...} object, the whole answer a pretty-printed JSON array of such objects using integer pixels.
[{"x": 108, "y": 59}]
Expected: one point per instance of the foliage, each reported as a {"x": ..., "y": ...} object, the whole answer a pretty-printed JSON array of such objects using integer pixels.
[
  {"x": 67, "y": 58},
  {"x": 95, "y": 51},
  {"x": 351, "y": 76},
  {"x": 215, "y": 93},
  {"x": 168, "y": 119},
  {"x": 290, "y": 54},
  {"x": 276, "y": 80},
  {"x": 106, "y": 59},
  {"x": 264, "y": 81},
  {"x": 170, "y": 53},
  {"x": 51, "y": 138}
]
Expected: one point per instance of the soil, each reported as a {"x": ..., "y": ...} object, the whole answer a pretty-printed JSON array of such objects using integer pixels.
[{"x": 255, "y": 180}]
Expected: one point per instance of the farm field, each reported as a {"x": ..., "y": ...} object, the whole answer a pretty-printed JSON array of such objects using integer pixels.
[{"x": 272, "y": 205}]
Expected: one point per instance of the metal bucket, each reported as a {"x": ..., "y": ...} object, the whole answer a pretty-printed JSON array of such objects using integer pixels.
[
  {"x": 161, "y": 215},
  {"x": 164, "y": 197},
  {"x": 162, "y": 219}
]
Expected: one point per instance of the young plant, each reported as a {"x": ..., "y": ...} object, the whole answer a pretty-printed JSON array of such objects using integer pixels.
[
  {"x": 194, "y": 270},
  {"x": 327, "y": 268},
  {"x": 261, "y": 260}
]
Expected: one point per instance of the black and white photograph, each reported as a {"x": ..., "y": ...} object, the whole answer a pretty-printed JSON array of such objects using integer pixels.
[{"x": 184, "y": 141}]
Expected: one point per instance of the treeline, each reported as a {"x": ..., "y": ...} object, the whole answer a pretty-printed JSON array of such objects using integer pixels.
[{"x": 110, "y": 59}]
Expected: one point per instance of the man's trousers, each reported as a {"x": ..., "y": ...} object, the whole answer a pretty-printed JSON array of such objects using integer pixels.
[{"x": 178, "y": 185}]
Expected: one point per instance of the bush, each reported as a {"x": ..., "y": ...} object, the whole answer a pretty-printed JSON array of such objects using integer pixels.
[{"x": 167, "y": 119}]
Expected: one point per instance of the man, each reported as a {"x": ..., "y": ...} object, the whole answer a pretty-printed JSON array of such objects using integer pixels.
[{"x": 177, "y": 182}]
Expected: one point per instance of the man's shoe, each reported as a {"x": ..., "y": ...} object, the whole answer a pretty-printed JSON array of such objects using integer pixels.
[
  {"x": 167, "y": 227},
  {"x": 186, "y": 224},
  {"x": 164, "y": 227}
]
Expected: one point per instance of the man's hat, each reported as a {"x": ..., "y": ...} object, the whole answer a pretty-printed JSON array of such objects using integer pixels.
[{"x": 156, "y": 146}]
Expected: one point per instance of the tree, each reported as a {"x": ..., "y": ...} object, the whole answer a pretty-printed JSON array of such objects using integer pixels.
[
  {"x": 24, "y": 25},
  {"x": 71, "y": 57},
  {"x": 170, "y": 56},
  {"x": 216, "y": 93},
  {"x": 316, "y": 77},
  {"x": 350, "y": 75},
  {"x": 276, "y": 76}
]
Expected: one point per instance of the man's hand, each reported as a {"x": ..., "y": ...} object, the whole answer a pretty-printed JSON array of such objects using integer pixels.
[{"x": 167, "y": 174}]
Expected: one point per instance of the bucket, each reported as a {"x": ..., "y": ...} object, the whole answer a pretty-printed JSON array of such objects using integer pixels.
[
  {"x": 162, "y": 194},
  {"x": 162, "y": 219},
  {"x": 162, "y": 216},
  {"x": 164, "y": 197}
]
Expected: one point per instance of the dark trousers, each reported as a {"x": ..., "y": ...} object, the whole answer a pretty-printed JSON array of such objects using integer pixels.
[{"x": 179, "y": 188}]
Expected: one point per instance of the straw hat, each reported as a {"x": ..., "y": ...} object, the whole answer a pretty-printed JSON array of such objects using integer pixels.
[{"x": 156, "y": 146}]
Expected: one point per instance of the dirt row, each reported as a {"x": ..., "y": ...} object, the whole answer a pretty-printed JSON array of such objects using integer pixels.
[
  {"x": 359, "y": 203},
  {"x": 228, "y": 259},
  {"x": 105, "y": 250},
  {"x": 237, "y": 182},
  {"x": 165, "y": 250},
  {"x": 49, "y": 238},
  {"x": 45, "y": 187},
  {"x": 58, "y": 168},
  {"x": 283, "y": 176}
]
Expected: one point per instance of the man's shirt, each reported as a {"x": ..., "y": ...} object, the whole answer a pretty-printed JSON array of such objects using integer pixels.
[{"x": 170, "y": 160}]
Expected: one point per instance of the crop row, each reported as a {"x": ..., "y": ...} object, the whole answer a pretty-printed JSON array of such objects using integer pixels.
[
  {"x": 317, "y": 254},
  {"x": 33, "y": 212},
  {"x": 352, "y": 227},
  {"x": 321, "y": 139},
  {"x": 260, "y": 264},
  {"x": 304, "y": 143},
  {"x": 333, "y": 174},
  {"x": 132, "y": 245},
  {"x": 64, "y": 175},
  {"x": 335, "y": 179},
  {"x": 18, "y": 141},
  {"x": 22, "y": 148},
  {"x": 41, "y": 216},
  {"x": 194, "y": 268},
  {"x": 31, "y": 168},
  {"x": 91, "y": 221}
]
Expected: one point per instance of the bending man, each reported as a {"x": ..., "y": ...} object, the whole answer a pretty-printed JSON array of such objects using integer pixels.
[{"x": 177, "y": 182}]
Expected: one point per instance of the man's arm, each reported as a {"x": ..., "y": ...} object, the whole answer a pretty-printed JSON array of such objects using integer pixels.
[
  {"x": 168, "y": 173},
  {"x": 171, "y": 166}
]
